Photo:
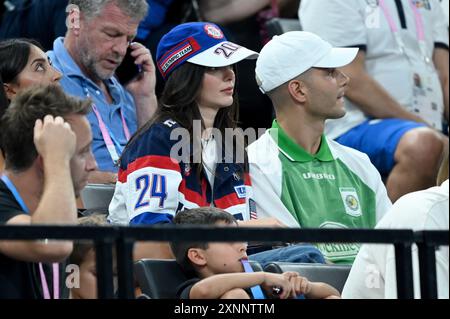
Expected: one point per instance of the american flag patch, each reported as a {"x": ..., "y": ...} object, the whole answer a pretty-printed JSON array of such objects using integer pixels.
[{"x": 252, "y": 208}]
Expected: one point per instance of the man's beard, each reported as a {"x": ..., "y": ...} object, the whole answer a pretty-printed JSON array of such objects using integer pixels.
[
  {"x": 91, "y": 64},
  {"x": 94, "y": 69}
]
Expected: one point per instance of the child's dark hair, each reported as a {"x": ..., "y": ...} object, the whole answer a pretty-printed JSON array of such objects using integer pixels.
[{"x": 196, "y": 216}]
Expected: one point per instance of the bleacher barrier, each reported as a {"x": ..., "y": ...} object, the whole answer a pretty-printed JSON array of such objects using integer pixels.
[{"x": 123, "y": 239}]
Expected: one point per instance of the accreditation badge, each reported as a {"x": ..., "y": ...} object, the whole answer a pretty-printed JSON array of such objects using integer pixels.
[{"x": 427, "y": 99}]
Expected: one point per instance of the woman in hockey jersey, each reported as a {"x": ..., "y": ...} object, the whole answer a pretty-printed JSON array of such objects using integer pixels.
[
  {"x": 177, "y": 159},
  {"x": 185, "y": 156}
]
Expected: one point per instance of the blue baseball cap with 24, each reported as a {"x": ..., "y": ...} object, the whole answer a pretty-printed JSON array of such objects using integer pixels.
[{"x": 200, "y": 43}]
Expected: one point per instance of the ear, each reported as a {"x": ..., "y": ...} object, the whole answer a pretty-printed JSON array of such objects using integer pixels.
[
  {"x": 298, "y": 91},
  {"x": 10, "y": 90},
  {"x": 197, "y": 256},
  {"x": 73, "y": 19}
]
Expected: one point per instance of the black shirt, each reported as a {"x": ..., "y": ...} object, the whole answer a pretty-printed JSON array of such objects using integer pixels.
[
  {"x": 184, "y": 290},
  {"x": 19, "y": 279}
]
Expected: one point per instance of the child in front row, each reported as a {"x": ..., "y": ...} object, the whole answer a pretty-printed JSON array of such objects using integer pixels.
[
  {"x": 83, "y": 256},
  {"x": 217, "y": 270}
]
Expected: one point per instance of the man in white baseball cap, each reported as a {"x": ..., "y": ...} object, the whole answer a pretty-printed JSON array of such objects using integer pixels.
[{"x": 299, "y": 176}]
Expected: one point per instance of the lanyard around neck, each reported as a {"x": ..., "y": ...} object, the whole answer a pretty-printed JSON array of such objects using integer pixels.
[
  {"x": 45, "y": 290},
  {"x": 112, "y": 144},
  {"x": 15, "y": 193},
  {"x": 44, "y": 284},
  {"x": 420, "y": 33},
  {"x": 256, "y": 290}
]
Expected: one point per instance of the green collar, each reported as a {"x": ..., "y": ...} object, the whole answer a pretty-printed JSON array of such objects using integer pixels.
[{"x": 295, "y": 152}]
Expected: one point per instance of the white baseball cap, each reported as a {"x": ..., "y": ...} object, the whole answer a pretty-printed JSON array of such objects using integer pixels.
[{"x": 288, "y": 55}]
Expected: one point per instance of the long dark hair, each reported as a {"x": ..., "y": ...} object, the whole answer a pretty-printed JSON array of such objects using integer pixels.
[
  {"x": 178, "y": 103},
  {"x": 14, "y": 55}
]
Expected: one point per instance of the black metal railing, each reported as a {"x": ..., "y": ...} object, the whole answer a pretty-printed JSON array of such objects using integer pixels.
[{"x": 123, "y": 239}]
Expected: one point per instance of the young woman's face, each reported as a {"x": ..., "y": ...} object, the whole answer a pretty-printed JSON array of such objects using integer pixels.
[
  {"x": 217, "y": 88},
  {"x": 37, "y": 71}
]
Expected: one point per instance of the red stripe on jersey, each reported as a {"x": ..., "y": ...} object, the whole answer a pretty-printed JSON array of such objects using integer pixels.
[
  {"x": 228, "y": 201},
  {"x": 193, "y": 196},
  {"x": 162, "y": 162},
  {"x": 247, "y": 179}
]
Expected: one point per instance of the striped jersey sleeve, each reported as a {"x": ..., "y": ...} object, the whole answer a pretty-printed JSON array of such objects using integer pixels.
[{"x": 148, "y": 181}]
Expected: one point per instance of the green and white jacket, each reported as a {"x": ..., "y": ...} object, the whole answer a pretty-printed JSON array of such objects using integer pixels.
[{"x": 336, "y": 188}]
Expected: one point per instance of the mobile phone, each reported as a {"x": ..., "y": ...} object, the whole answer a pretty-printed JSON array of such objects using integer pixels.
[{"x": 127, "y": 70}]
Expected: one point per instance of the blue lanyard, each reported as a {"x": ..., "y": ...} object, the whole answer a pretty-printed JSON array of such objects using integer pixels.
[
  {"x": 256, "y": 290},
  {"x": 15, "y": 193}
]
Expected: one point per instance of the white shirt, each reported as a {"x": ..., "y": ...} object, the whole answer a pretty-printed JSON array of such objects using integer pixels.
[
  {"x": 373, "y": 272},
  {"x": 362, "y": 23},
  {"x": 444, "y": 5},
  {"x": 210, "y": 158}
]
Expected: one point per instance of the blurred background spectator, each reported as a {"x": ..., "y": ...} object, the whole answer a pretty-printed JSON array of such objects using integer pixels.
[
  {"x": 243, "y": 22},
  {"x": 399, "y": 83}
]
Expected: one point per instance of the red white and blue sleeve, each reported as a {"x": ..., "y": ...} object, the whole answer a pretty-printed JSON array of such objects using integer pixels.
[{"x": 148, "y": 181}]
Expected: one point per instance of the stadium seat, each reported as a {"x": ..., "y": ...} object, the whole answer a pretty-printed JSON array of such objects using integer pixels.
[
  {"x": 334, "y": 275},
  {"x": 97, "y": 196},
  {"x": 160, "y": 278},
  {"x": 277, "y": 26}
]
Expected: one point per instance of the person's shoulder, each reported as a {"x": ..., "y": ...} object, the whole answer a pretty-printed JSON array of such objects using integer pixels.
[
  {"x": 424, "y": 209},
  {"x": 58, "y": 45},
  {"x": 345, "y": 152},
  {"x": 162, "y": 130},
  {"x": 6, "y": 196},
  {"x": 264, "y": 145},
  {"x": 262, "y": 140},
  {"x": 356, "y": 161},
  {"x": 9, "y": 207},
  {"x": 155, "y": 140},
  {"x": 183, "y": 290}
]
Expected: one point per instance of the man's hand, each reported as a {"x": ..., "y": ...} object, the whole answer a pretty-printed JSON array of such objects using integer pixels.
[
  {"x": 143, "y": 87},
  {"x": 54, "y": 139}
]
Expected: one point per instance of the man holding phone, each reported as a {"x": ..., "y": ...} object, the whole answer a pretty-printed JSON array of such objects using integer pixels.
[
  {"x": 98, "y": 37},
  {"x": 128, "y": 70}
]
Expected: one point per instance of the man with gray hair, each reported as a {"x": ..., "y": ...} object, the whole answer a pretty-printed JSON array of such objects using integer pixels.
[{"x": 100, "y": 32}]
